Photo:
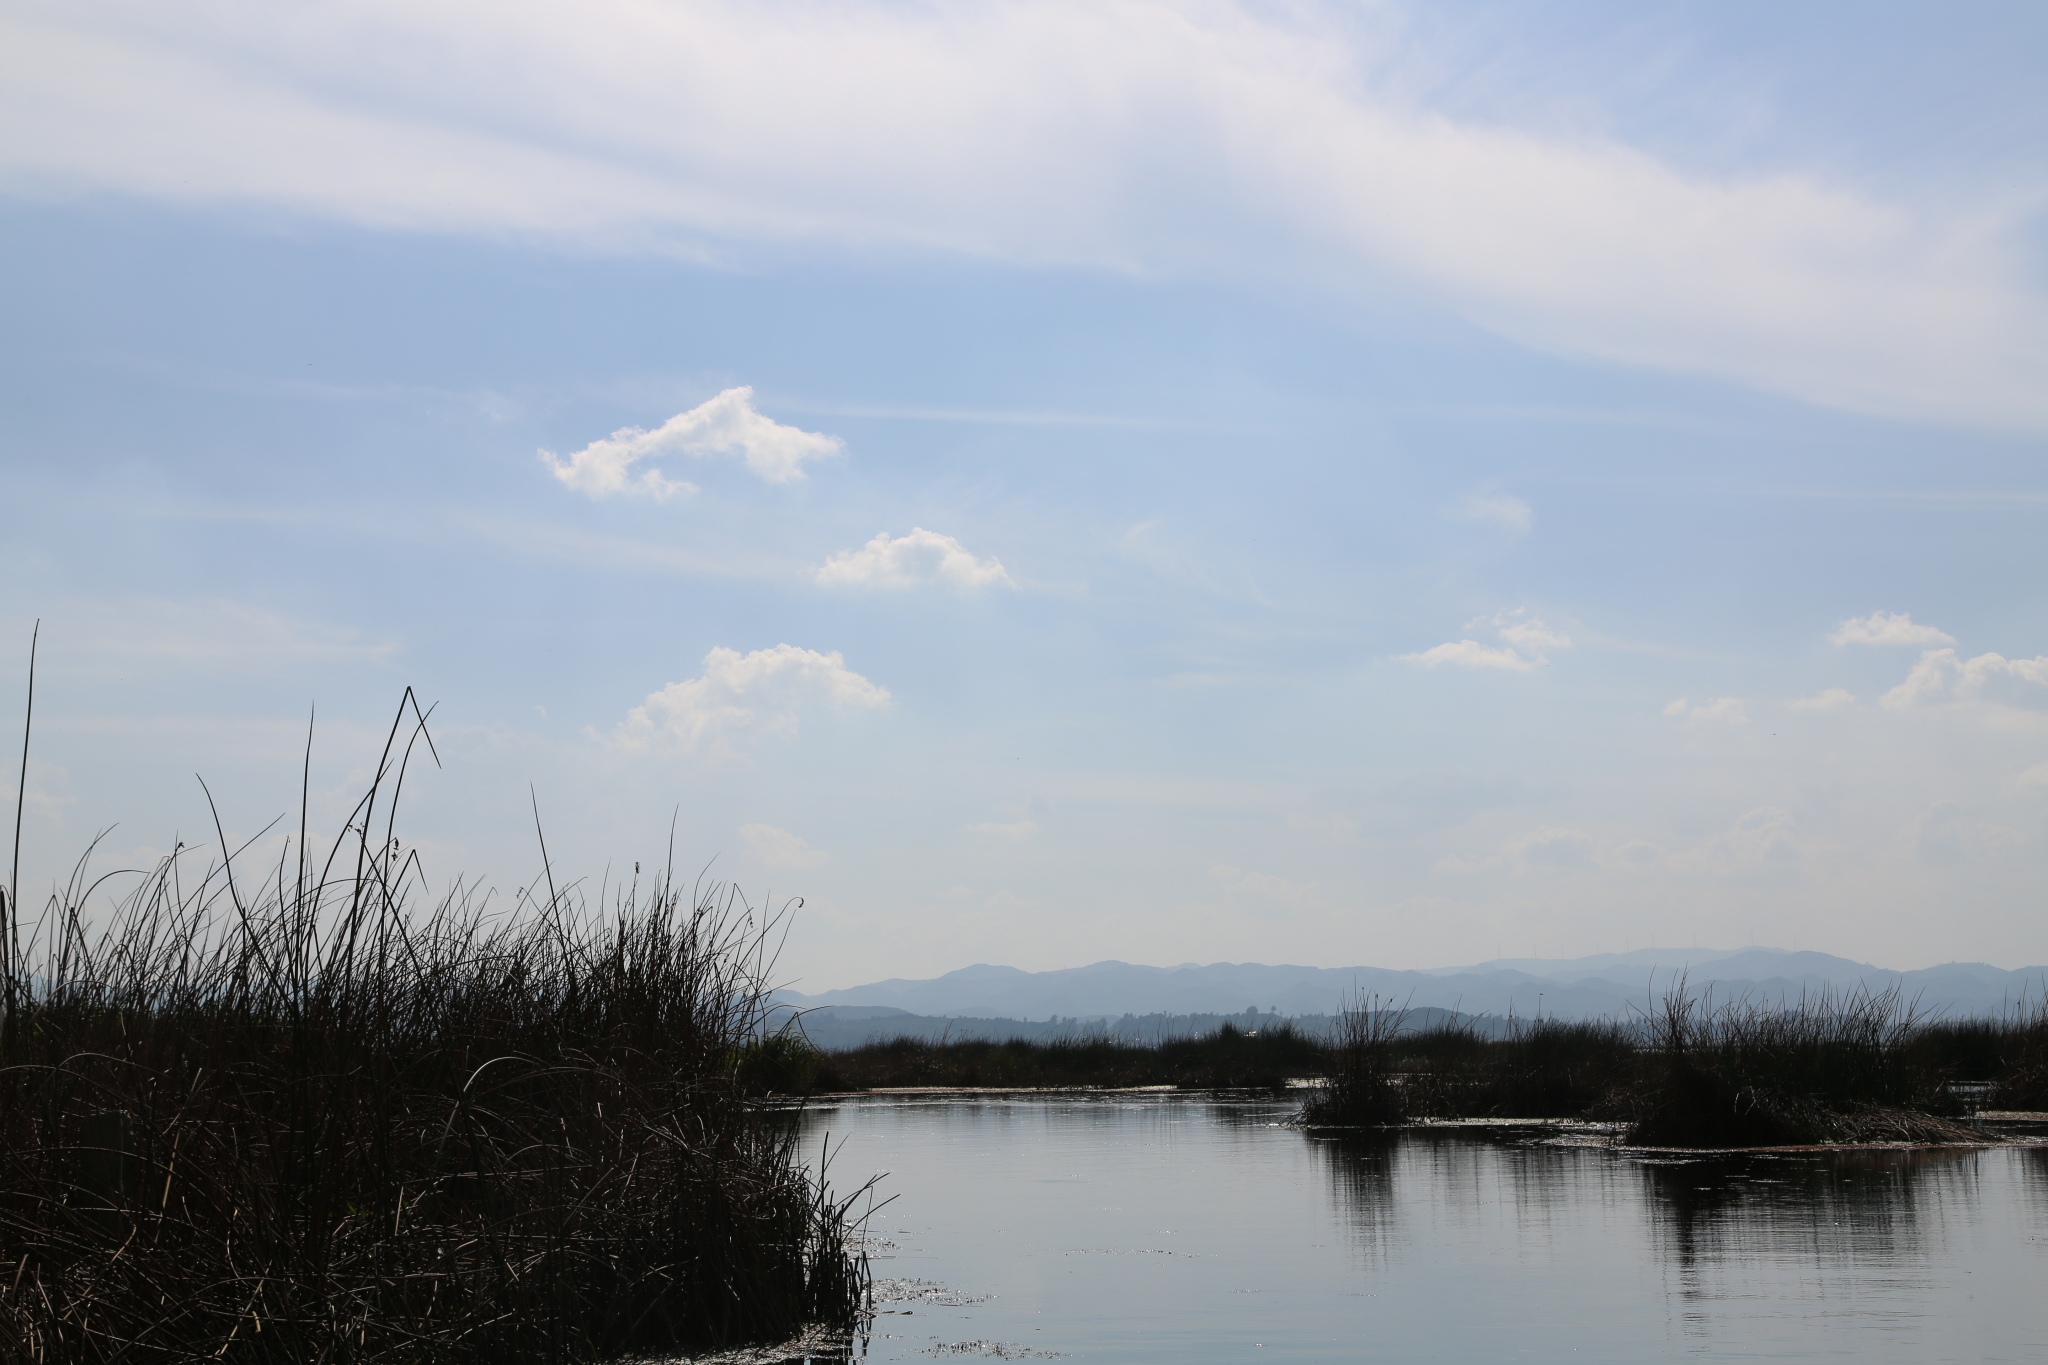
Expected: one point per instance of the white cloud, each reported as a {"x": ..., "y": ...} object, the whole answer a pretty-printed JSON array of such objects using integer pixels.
[
  {"x": 1562, "y": 848},
  {"x": 1213, "y": 139},
  {"x": 1888, "y": 628},
  {"x": 1527, "y": 638},
  {"x": 752, "y": 694},
  {"x": 1940, "y": 675},
  {"x": 718, "y": 426},
  {"x": 1719, "y": 709},
  {"x": 1501, "y": 508},
  {"x": 1833, "y": 699},
  {"x": 920, "y": 557},
  {"x": 772, "y": 847},
  {"x": 1017, "y": 831},
  {"x": 1471, "y": 654},
  {"x": 1531, "y": 634}
]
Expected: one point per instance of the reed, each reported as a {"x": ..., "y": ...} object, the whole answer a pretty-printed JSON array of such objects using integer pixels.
[
  {"x": 326, "y": 1118},
  {"x": 2020, "y": 1045},
  {"x": 1546, "y": 1068},
  {"x": 1360, "y": 1088},
  {"x": 1836, "y": 1066}
]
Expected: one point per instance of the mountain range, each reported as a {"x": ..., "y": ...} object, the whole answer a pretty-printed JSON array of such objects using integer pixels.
[{"x": 1584, "y": 987}]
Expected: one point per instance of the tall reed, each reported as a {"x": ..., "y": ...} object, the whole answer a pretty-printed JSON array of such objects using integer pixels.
[
  {"x": 1835, "y": 1066},
  {"x": 1360, "y": 1088},
  {"x": 326, "y": 1119}
]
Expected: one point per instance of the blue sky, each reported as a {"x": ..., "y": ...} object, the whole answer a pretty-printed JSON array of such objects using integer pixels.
[{"x": 1170, "y": 482}]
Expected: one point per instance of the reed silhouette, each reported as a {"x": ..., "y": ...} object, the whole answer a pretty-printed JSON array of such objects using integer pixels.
[{"x": 307, "y": 1113}]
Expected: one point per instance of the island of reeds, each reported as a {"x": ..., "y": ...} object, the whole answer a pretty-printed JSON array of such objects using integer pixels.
[
  {"x": 1834, "y": 1066},
  {"x": 304, "y": 1113}
]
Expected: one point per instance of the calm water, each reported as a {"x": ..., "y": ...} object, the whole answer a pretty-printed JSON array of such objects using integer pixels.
[{"x": 1182, "y": 1228}]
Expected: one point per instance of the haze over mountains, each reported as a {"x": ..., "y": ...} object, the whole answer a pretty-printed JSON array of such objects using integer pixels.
[{"x": 1602, "y": 984}]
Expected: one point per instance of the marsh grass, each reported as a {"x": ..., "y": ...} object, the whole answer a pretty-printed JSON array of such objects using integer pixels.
[
  {"x": 325, "y": 1118},
  {"x": 1360, "y": 1087},
  {"x": 1546, "y": 1068},
  {"x": 2018, "y": 1051},
  {"x": 1835, "y": 1066}
]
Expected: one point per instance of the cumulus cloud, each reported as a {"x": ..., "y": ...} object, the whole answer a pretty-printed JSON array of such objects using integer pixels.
[
  {"x": 761, "y": 693},
  {"x": 1833, "y": 699},
  {"x": 1217, "y": 139},
  {"x": 1941, "y": 675},
  {"x": 723, "y": 425},
  {"x": 907, "y": 561},
  {"x": 1528, "y": 637},
  {"x": 1888, "y": 628},
  {"x": 1729, "y": 709},
  {"x": 772, "y": 847}
]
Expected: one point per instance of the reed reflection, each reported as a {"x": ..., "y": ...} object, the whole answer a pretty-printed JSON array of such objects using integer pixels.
[
  {"x": 1819, "y": 1215},
  {"x": 1363, "y": 1168}
]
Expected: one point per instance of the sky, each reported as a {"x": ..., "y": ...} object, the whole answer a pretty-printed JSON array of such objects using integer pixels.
[{"x": 1042, "y": 482}]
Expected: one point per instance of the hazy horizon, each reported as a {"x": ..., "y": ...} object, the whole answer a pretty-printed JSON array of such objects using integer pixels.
[{"x": 1383, "y": 484}]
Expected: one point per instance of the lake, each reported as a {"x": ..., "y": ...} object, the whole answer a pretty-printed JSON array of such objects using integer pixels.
[{"x": 1178, "y": 1227}]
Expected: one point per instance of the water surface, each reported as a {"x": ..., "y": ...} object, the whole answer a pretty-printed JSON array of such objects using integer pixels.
[{"x": 1189, "y": 1228}]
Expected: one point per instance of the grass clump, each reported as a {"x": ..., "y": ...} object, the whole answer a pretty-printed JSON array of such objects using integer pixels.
[
  {"x": 2021, "y": 1079},
  {"x": 1228, "y": 1058},
  {"x": 1838, "y": 1066},
  {"x": 1549, "y": 1068},
  {"x": 1360, "y": 1088},
  {"x": 314, "y": 1121}
]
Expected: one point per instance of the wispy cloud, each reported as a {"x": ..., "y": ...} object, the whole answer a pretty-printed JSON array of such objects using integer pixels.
[
  {"x": 1017, "y": 831},
  {"x": 1730, "y": 710},
  {"x": 745, "y": 695},
  {"x": 205, "y": 634},
  {"x": 1888, "y": 628},
  {"x": 724, "y": 425},
  {"x": 1833, "y": 699},
  {"x": 1121, "y": 135},
  {"x": 1502, "y": 509},
  {"x": 772, "y": 847},
  {"x": 908, "y": 561}
]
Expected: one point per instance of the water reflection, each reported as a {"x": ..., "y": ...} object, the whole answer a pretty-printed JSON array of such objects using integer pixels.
[
  {"x": 1203, "y": 1228},
  {"x": 1362, "y": 1169},
  {"x": 1835, "y": 1207}
]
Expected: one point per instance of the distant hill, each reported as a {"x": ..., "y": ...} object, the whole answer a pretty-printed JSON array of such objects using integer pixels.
[{"x": 1587, "y": 987}]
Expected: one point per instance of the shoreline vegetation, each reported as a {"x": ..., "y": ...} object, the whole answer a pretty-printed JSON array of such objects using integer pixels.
[
  {"x": 1833, "y": 1067},
  {"x": 303, "y": 1112}
]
